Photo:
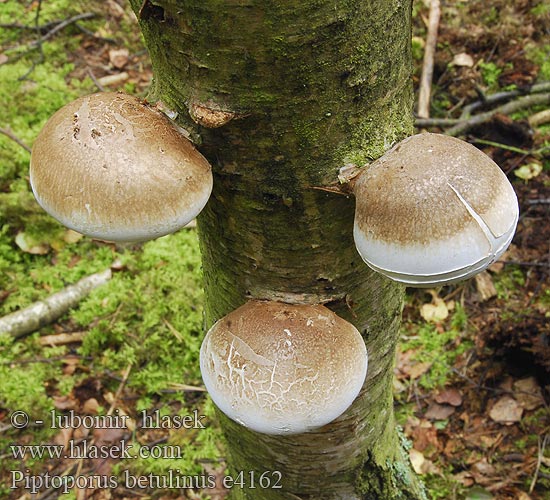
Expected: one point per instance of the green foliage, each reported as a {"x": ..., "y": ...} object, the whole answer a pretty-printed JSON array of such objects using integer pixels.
[
  {"x": 540, "y": 55},
  {"x": 439, "y": 348},
  {"x": 509, "y": 281},
  {"x": 490, "y": 73},
  {"x": 443, "y": 486}
]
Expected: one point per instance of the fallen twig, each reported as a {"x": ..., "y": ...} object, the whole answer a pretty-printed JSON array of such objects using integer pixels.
[
  {"x": 62, "y": 25},
  {"x": 116, "y": 397},
  {"x": 61, "y": 338},
  {"x": 539, "y": 118},
  {"x": 503, "y": 96},
  {"x": 537, "y": 94},
  {"x": 14, "y": 138},
  {"x": 48, "y": 310},
  {"x": 100, "y": 87},
  {"x": 506, "y": 109},
  {"x": 541, "y": 447},
  {"x": 428, "y": 63}
]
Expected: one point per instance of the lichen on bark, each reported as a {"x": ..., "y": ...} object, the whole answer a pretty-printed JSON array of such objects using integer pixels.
[{"x": 314, "y": 84}]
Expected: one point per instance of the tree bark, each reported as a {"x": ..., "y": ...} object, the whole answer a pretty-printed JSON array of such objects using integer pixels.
[{"x": 312, "y": 85}]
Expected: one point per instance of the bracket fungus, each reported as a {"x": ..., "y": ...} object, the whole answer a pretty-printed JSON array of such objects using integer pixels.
[
  {"x": 433, "y": 210},
  {"x": 283, "y": 369},
  {"x": 109, "y": 166}
]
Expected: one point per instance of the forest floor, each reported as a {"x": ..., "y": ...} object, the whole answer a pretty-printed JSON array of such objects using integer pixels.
[{"x": 472, "y": 382}]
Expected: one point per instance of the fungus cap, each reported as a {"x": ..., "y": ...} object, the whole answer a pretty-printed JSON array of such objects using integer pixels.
[
  {"x": 108, "y": 166},
  {"x": 283, "y": 369},
  {"x": 433, "y": 210}
]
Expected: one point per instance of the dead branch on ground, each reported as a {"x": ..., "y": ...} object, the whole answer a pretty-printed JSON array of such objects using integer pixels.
[
  {"x": 46, "y": 311},
  {"x": 428, "y": 63}
]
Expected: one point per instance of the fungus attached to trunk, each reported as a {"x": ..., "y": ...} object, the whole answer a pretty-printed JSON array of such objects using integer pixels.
[
  {"x": 110, "y": 167},
  {"x": 283, "y": 369},
  {"x": 433, "y": 210}
]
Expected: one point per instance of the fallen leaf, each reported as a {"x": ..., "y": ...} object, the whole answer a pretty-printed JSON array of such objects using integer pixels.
[
  {"x": 506, "y": 411},
  {"x": 31, "y": 245},
  {"x": 420, "y": 464},
  {"x": 418, "y": 369},
  {"x": 529, "y": 171},
  {"x": 463, "y": 59},
  {"x": 439, "y": 412},
  {"x": 64, "y": 403},
  {"x": 417, "y": 460},
  {"x": 119, "y": 57},
  {"x": 435, "y": 312},
  {"x": 484, "y": 467},
  {"x": 70, "y": 236},
  {"x": 449, "y": 396},
  {"x": 90, "y": 407},
  {"x": 464, "y": 478},
  {"x": 425, "y": 438},
  {"x": 528, "y": 393}
]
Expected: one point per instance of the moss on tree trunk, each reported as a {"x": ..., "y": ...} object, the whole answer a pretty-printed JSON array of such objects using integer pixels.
[{"x": 314, "y": 85}]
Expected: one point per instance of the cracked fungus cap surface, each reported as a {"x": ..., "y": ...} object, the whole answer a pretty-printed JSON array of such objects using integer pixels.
[
  {"x": 283, "y": 369},
  {"x": 108, "y": 166},
  {"x": 433, "y": 210}
]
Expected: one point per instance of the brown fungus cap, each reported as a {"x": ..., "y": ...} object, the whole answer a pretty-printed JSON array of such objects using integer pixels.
[
  {"x": 283, "y": 369},
  {"x": 110, "y": 167},
  {"x": 433, "y": 210}
]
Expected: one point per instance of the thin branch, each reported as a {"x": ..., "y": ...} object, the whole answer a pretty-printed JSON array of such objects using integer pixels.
[
  {"x": 100, "y": 87},
  {"x": 10, "y": 134},
  {"x": 64, "y": 24},
  {"x": 503, "y": 96},
  {"x": 428, "y": 63},
  {"x": 116, "y": 397},
  {"x": 539, "y": 118},
  {"x": 48, "y": 310},
  {"x": 506, "y": 109},
  {"x": 541, "y": 447},
  {"x": 61, "y": 339}
]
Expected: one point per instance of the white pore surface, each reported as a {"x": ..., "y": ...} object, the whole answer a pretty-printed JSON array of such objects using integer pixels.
[
  {"x": 277, "y": 394},
  {"x": 437, "y": 263},
  {"x": 125, "y": 227}
]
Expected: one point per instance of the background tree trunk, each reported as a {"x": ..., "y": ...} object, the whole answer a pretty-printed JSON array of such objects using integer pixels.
[{"x": 315, "y": 84}]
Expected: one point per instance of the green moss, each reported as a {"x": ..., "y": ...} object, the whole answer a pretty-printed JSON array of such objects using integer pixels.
[
  {"x": 509, "y": 281},
  {"x": 439, "y": 349}
]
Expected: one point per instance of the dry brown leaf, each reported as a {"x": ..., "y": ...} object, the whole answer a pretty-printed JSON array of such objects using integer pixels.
[
  {"x": 30, "y": 245},
  {"x": 425, "y": 438},
  {"x": 528, "y": 393},
  {"x": 449, "y": 396},
  {"x": 421, "y": 464},
  {"x": 465, "y": 478},
  {"x": 418, "y": 369},
  {"x": 506, "y": 411},
  {"x": 90, "y": 407},
  {"x": 64, "y": 403},
  {"x": 119, "y": 57},
  {"x": 439, "y": 412}
]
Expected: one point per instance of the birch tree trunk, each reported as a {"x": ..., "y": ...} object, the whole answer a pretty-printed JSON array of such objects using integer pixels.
[{"x": 306, "y": 87}]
